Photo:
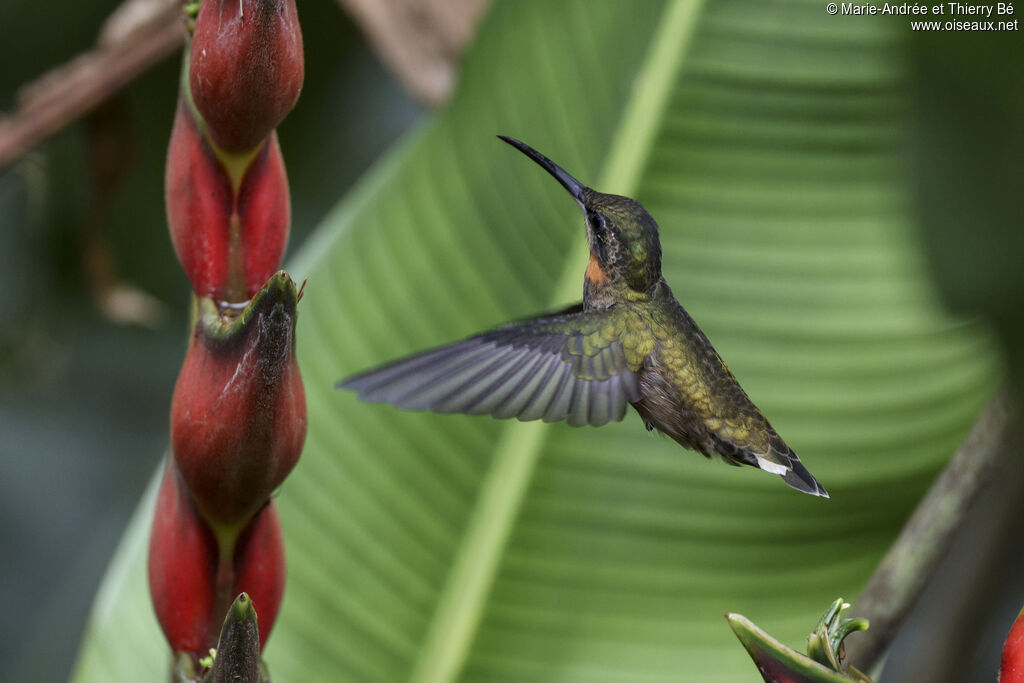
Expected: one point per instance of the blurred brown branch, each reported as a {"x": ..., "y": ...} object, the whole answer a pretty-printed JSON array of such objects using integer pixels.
[
  {"x": 911, "y": 561},
  {"x": 139, "y": 34},
  {"x": 420, "y": 40}
]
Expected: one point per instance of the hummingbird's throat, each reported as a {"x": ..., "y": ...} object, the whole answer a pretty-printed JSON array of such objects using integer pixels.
[{"x": 595, "y": 273}]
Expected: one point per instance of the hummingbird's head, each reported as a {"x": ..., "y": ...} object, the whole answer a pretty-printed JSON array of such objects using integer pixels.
[{"x": 623, "y": 237}]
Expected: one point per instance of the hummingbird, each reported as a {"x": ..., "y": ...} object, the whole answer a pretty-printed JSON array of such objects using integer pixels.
[{"x": 630, "y": 342}]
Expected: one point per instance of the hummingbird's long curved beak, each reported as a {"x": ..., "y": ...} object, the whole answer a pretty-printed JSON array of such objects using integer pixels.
[{"x": 575, "y": 187}]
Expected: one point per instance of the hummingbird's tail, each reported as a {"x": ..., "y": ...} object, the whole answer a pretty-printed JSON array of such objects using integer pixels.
[
  {"x": 783, "y": 461},
  {"x": 780, "y": 460},
  {"x": 799, "y": 478}
]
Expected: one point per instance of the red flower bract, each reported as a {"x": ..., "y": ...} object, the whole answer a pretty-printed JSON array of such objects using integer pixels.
[
  {"x": 182, "y": 568},
  {"x": 260, "y": 567},
  {"x": 246, "y": 68},
  {"x": 238, "y": 416},
  {"x": 192, "y": 581},
  {"x": 229, "y": 242},
  {"x": 1012, "y": 665}
]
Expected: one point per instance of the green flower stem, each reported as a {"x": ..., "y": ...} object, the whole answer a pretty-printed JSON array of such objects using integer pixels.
[{"x": 903, "y": 572}]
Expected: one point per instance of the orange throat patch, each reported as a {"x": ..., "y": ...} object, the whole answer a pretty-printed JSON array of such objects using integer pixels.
[{"x": 595, "y": 274}]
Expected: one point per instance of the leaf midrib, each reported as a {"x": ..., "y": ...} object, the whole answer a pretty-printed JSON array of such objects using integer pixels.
[{"x": 461, "y": 603}]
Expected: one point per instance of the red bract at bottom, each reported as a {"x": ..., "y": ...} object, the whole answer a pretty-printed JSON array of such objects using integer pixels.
[
  {"x": 259, "y": 567},
  {"x": 193, "y": 580}
]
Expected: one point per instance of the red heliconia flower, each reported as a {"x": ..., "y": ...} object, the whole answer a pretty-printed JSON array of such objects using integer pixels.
[
  {"x": 229, "y": 231},
  {"x": 1012, "y": 667},
  {"x": 246, "y": 68},
  {"x": 238, "y": 416}
]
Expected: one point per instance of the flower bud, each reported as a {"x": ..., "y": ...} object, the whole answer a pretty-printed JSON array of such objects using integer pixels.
[
  {"x": 246, "y": 68},
  {"x": 229, "y": 227},
  {"x": 238, "y": 648},
  {"x": 182, "y": 568},
  {"x": 238, "y": 415},
  {"x": 825, "y": 653}
]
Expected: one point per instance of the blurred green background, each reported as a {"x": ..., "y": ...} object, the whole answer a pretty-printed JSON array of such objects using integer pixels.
[{"x": 84, "y": 399}]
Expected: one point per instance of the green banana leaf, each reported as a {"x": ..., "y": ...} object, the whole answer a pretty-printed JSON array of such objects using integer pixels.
[{"x": 764, "y": 137}]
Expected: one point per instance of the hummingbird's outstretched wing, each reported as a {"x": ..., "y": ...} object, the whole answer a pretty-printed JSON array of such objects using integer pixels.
[{"x": 553, "y": 367}]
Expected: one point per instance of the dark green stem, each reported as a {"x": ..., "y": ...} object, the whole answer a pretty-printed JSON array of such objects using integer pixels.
[{"x": 924, "y": 541}]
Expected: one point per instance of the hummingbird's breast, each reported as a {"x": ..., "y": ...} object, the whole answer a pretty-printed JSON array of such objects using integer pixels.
[{"x": 704, "y": 390}]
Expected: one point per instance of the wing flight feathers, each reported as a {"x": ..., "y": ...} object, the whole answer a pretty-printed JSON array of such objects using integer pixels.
[{"x": 555, "y": 367}]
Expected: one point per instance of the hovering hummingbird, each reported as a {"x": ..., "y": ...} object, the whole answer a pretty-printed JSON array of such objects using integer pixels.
[{"x": 628, "y": 342}]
